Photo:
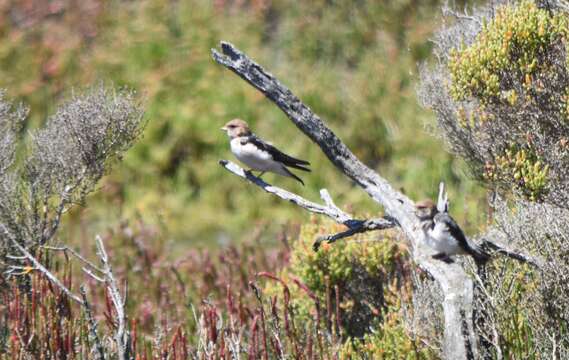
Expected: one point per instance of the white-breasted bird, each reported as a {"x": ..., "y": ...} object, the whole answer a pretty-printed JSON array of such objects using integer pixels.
[
  {"x": 444, "y": 235},
  {"x": 260, "y": 155}
]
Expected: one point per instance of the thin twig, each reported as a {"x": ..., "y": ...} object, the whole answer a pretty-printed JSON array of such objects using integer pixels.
[
  {"x": 92, "y": 324},
  {"x": 39, "y": 267},
  {"x": 74, "y": 253},
  {"x": 122, "y": 338},
  {"x": 511, "y": 254}
]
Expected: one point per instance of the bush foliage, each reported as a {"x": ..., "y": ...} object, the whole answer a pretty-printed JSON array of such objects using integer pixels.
[
  {"x": 502, "y": 103},
  {"x": 499, "y": 91}
]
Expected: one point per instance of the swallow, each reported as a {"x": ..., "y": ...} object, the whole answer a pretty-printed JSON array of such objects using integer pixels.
[
  {"x": 258, "y": 154},
  {"x": 444, "y": 235}
]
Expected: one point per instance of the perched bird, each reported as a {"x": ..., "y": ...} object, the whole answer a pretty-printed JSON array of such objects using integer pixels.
[
  {"x": 444, "y": 235},
  {"x": 258, "y": 154}
]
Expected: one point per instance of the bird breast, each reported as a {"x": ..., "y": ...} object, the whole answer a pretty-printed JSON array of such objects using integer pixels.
[
  {"x": 252, "y": 156},
  {"x": 443, "y": 241}
]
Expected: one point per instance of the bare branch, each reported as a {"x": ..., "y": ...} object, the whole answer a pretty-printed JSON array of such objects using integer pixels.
[
  {"x": 360, "y": 227},
  {"x": 92, "y": 275},
  {"x": 122, "y": 337},
  {"x": 67, "y": 249},
  {"x": 459, "y": 337},
  {"x": 355, "y": 226},
  {"x": 500, "y": 249},
  {"x": 39, "y": 267}
]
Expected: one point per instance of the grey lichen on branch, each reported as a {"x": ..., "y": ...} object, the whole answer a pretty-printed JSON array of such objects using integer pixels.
[{"x": 459, "y": 337}]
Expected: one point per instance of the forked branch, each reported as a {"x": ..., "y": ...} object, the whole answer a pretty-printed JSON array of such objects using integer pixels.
[
  {"x": 355, "y": 226},
  {"x": 459, "y": 337}
]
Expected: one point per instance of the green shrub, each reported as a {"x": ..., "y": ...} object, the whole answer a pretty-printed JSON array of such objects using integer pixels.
[
  {"x": 525, "y": 167},
  {"x": 369, "y": 275},
  {"x": 510, "y": 44}
]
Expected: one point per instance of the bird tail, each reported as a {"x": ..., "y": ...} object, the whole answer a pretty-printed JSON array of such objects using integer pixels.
[
  {"x": 299, "y": 167},
  {"x": 479, "y": 255},
  {"x": 292, "y": 175}
]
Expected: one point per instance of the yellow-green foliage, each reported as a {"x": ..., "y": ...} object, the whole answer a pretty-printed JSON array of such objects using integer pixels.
[
  {"x": 336, "y": 261},
  {"x": 510, "y": 43},
  {"x": 522, "y": 165},
  {"x": 515, "y": 287},
  {"x": 373, "y": 258},
  {"x": 385, "y": 343}
]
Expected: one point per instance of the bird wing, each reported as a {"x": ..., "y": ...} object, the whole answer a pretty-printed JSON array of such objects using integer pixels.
[
  {"x": 278, "y": 155},
  {"x": 456, "y": 232},
  {"x": 453, "y": 228}
]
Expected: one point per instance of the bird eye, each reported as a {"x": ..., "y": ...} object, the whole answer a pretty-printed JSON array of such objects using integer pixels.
[{"x": 231, "y": 126}]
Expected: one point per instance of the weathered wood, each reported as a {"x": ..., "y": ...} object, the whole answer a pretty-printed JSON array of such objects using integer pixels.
[
  {"x": 330, "y": 209},
  {"x": 459, "y": 337}
]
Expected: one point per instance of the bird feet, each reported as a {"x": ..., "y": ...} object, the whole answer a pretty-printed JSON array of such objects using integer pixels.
[
  {"x": 251, "y": 171},
  {"x": 443, "y": 257}
]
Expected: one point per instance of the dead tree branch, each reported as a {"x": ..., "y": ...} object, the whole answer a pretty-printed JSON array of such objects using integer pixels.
[
  {"x": 503, "y": 250},
  {"x": 355, "y": 226},
  {"x": 459, "y": 337},
  {"x": 39, "y": 267}
]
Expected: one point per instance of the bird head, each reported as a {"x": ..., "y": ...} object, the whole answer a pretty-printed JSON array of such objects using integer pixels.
[
  {"x": 236, "y": 128},
  {"x": 425, "y": 209}
]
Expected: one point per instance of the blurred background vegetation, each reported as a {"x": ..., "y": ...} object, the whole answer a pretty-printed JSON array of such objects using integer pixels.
[
  {"x": 353, "y": 63},
  {"x": 190, "y": 238}
]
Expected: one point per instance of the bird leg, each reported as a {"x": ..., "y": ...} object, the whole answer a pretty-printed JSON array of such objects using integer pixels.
[
  {"x": 251, "y": 171},
  {"x": 443, "y": 257}
]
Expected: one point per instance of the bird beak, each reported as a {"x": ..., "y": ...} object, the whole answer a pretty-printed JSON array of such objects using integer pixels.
[{"x": 223, "y": 129}]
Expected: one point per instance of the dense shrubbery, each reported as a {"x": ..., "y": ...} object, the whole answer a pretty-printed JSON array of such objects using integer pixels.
[
  {"x": 500, "y": 94},
  {"x": 243, "y": 299},
  {"x": 503, "y": 102}
]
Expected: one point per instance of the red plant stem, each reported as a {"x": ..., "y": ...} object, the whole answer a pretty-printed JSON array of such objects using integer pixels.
[
  {"x": 338, "y": 318},
  {"x": 318, "y": 334},
  {"x": 253, "y": 344},
  {"x": 133, "y": 335},
  {"x": 222, "y": 346},
  {"x": 264, "y": 333},
  {"x": 328, "y": 305},
  {"x": 184, "y": 344}
]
